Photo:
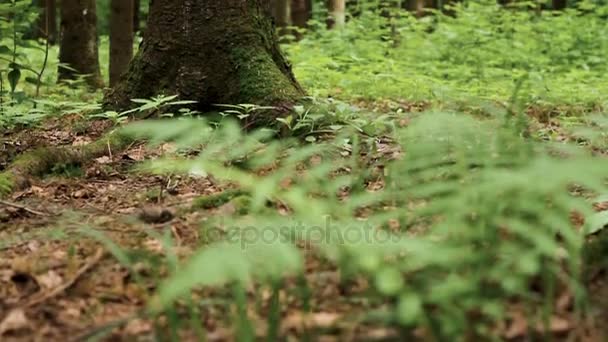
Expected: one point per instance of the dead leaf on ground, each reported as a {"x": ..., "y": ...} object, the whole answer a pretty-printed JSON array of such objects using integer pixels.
[
  {"x": 49, "y": 280},
  {"x": 300, "y": 320},
  {"x": 104, "y": 160},
  {"x": 15, "y": 321}
]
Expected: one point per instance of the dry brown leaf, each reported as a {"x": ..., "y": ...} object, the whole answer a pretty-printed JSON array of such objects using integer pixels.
[
  {"x": 49, "y": 280},
  {"x": 103, "y": 160},
  {"x": 557, "y": 325},
  {"x": 81, "y": 141},
  {"x": 298, "y": 320},
  {"x": 137, "y": 327},
  {"x": 518, "y": 326},
  {"x": 16, "y": 320}
]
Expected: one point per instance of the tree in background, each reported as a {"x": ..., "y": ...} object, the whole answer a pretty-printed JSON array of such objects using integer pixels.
[
  {"x": 211, "y": 52},
  {"x": 337, "y": 13},
  {"x": 136, "y": 18},
  {"x": 78, "y": 51},
  {"x": 301, "y": 13},
  {"x": 559, "y": 4},
  {"x": 282, "y": 14},
  {"x": 121, "y": 38},
  {"x": 46, "y": 24}
]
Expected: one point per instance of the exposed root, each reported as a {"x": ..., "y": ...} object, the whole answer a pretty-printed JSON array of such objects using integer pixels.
[{"x": 40, "y": 161}]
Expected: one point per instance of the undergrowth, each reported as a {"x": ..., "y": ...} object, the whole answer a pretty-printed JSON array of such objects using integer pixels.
[
  {"x": 472, "y": 212},
  {"x": 474, "y": 229}
]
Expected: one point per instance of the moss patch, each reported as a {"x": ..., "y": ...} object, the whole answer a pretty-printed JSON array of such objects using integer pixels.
[
  {"x": 217, "y": 200},
  {"x": 45, "y": 160}
]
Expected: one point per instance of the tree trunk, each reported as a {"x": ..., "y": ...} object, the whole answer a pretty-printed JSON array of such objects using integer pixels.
[
  {"x": 301, "y": 13},
  {"x": 559, "y": 5},
  {"x": 78, "y": 48},
  {"x": 46, "y": 24},
  {"x": 121, "y": 38},
  {"x": 417, "y": 7},
  {"x": 282, "y": 14},
  {"x": 136, "y": 19},
  {"x": 337, "y": 13},
  {"x": 212, "y": 52}
]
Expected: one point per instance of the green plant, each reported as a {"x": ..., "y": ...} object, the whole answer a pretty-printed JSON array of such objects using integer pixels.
[{"x": 462, "y": 195}]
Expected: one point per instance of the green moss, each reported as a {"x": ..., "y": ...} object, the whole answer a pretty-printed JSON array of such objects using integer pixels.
[
  {"x": 6, "y": 183},
  {"x": 67, "y": 170},
  {"x": 58, "y": 159},
  {"x": 242, "y": 204},
  {"x": 217, "y": 200},
  {"x": 261, "y": 79}
]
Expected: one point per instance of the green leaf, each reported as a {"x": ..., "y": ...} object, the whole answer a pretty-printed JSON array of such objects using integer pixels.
[
  {"x": 389, "y": 281},
  {"x": 31, "y": 80},
  {"x": 13, "y": 78},
  {"x": 5, "y": 50},
  {"x": 409, "y": 308},
  {"x": 596, "y": 222}
]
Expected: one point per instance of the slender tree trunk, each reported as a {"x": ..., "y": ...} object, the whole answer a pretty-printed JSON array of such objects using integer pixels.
[
  {"x": 78, "y": 48},
  {"x": 46, "y": 24},
  {"x": 136, "y": 19},
  {"x": 559, "y": 5},
  {"x": 121, "y": 38},
  {"x": 51, "y": 20},
  {"x": 301, "y": 12},
  {"x": 417, "y": 7},
  {"x": 282, "y": 14},
  {"x": 337, "y": 13},
  {"x": 212, "y": 52}
]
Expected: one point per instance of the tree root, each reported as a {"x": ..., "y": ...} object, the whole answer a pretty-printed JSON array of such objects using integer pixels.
[{"x": 40, "y": 161}]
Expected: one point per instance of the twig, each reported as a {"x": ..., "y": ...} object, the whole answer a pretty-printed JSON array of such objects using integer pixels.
[
  {"x": 17, "y": 206},
  {"x": 93, "y": 332},
  {"x": 43, "y": 297}
]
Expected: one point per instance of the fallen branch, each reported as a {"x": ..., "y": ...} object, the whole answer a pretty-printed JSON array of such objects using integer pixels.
[
  {"x": 43, "y": 297},
  {"x": 40, "y": 161},
  {"x": 24, "y": 208}
]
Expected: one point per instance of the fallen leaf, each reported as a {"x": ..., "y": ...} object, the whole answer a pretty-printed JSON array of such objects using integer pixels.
[
  {"x": 14, "y": 321},
  {"x": 50, "y": 280},
  {"x": 518, "y": 326},
  {"x": 103, "y": 160},
  {"x": 557, "y": 325},
  {"x": 300, "y": 320}
]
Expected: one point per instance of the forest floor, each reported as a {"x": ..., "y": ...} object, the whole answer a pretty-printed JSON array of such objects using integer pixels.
[{"x": 59, "y": 281}]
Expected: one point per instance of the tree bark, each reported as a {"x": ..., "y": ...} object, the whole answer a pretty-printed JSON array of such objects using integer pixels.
[
  {"x": 78, "y": 47},
  {"x": 136, "y": 19},
  {"x": 559, "y": 5},
  {"x": 301, "y": 13},
  {"x": 121, "y": 38},
  {"x": 337, "y": 13},
  {"x": 282, "y": 14},
  {"x": 46, "y": 24},
  {"x": 212, "y": 52}
]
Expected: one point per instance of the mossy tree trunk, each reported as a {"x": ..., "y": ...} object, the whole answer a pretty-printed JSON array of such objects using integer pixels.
[
  {"x": 212, "y": 52},
  {"x": 78, "y": 47}
]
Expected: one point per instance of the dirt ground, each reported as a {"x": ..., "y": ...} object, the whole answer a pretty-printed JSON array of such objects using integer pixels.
[{"x": 60, "y": 279}]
